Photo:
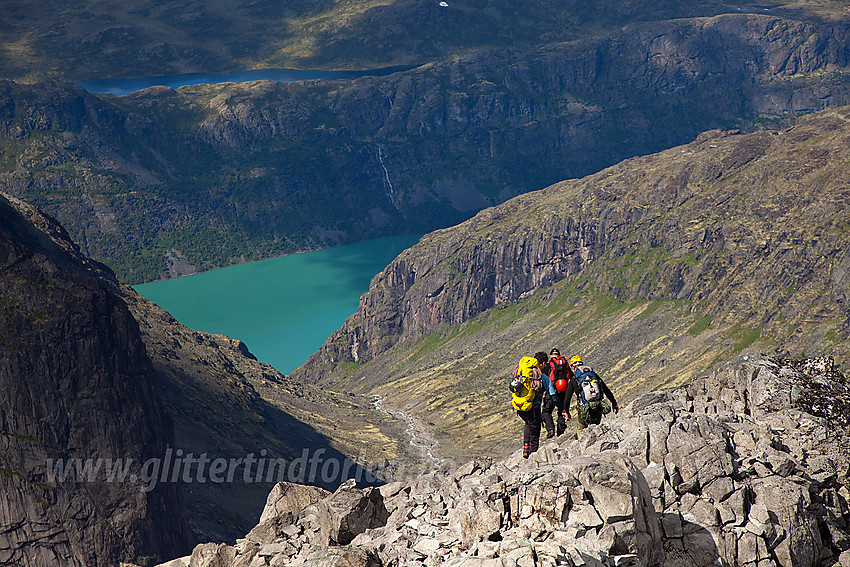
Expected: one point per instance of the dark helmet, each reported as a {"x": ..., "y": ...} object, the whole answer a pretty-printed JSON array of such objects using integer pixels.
[{"x": 555, "y": 352}]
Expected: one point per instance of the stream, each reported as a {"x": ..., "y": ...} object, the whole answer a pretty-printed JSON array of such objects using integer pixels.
[{"x": 419, "y": 437}]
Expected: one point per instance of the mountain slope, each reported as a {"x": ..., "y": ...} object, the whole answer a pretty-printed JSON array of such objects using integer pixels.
[
  {"x": 227, "y": 404},
  {"x": 90, "y": 369},
  {"x": 225, "y": 173},
  {"x": 652, "y": 269},
  {"x": 734, "y": 468},
  {"x": 87, "y": 40}
]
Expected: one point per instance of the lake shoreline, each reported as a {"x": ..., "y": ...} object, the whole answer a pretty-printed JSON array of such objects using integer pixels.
[
  {"x": 166, "y": 279},
  {"x": 122, "y": 86}
]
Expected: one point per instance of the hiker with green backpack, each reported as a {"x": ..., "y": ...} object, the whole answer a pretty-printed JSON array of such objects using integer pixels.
[{"x": 589, "y": 389}]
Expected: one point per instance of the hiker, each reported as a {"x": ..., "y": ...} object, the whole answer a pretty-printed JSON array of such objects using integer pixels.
[
  {"x": 559, "y": 372},
  {"x": 526, "y": 387},
  {"x": 589, "y": 389},
  {"x": 550, "y": 400}
]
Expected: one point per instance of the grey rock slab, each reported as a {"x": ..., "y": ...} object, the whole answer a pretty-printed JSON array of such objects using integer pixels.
[
  {"x": 349, "y": 511},
  {"x": 287, "y": 499},
  {"x": 475, "y": 518},
  {"x": 790, "y": 505},
  {"x": 336, "y": 557},
  {"x": 719, "y": 489}
]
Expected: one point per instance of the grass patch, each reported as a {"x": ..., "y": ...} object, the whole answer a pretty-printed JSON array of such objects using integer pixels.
[
  {"x": 747, "y": 337},
  {"x": 606, "y": 305},
  {"x": 9, "y": 473},
  {"x": 431, "y": 342},
  {"x": 348, "y": 367},
  {"x": 699, "y": 326},
  {"x": 649, "y": 310}
]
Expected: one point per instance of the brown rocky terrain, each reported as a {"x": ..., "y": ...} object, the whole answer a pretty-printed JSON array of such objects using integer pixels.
[
  {"x": 112, "y": 39},
  {"x": 227, "y": 404},
  {"x": 730, "y": 469},
  {"x": 653, "y": 270}
]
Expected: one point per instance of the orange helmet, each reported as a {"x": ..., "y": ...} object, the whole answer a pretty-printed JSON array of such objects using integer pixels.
[
  {"x": 560, "y": 384},
  {"x": 575, "y": 360}
]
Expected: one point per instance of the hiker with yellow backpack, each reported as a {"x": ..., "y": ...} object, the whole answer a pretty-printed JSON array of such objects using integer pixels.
[
  {"x": 589, "y": 389},
  {"x": 526, "y": 394}
]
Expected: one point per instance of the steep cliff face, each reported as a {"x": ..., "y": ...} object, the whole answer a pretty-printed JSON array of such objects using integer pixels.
[
  {"x": 753, "y": 229},
  {"x": 77, "y": 384},
  {"x": 238, "y": 164}
]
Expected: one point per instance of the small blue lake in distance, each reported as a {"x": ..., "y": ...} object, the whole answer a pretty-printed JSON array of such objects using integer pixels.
[
  {"x": 283, "y": 308},
  {"x": 123, "y": 87}
]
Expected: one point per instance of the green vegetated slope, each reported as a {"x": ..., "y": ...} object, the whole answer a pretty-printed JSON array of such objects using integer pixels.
[
  {"x": 228, "y": 173},
  {"x": 84, "y": 40},
  {"x": 653, "y": 270}
]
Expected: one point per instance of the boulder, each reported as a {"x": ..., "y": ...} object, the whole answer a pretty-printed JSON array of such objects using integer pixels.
[
  {"x": 287, "y": 499},
  {"x": 336, "y": 557},
  {"x": 349, "y": 511}
]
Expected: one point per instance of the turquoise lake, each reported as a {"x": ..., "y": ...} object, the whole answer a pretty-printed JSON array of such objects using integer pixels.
[
  {"x": 283, "y": 308},
  {"x": 125, "y": 86}
]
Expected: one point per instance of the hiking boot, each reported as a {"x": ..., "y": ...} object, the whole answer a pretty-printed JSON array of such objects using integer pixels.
[{"x": 525, "y": 451}]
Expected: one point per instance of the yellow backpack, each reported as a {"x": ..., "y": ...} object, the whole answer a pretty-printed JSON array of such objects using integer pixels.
[{"x": 522, "y": 393}]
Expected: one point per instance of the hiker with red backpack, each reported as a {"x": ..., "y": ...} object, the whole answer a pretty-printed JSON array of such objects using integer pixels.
[
  {"x": 589, "y": 389},
  {"x": 526, "y": 392},
  {"x": 559, "y": 372}
]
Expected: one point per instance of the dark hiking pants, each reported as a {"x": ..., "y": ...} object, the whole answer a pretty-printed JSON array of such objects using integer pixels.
[
  {"x": 531, "y": 430},
  {"x": 548, "y": 407}
]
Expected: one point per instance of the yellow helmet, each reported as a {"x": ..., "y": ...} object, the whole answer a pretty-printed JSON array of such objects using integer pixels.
[{"x": 575, "y": 360}]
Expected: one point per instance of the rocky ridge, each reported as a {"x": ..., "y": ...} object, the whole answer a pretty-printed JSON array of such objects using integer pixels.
[{"x": 732, "y": 469}]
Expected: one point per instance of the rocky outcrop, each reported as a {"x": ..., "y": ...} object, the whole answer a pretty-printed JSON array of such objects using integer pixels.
[
  {"x": 95, "y": 375},
  {"x": 733, "y": 469},
  {"x": 723, "y": 222},
  {"x": 78, "y": 391}
]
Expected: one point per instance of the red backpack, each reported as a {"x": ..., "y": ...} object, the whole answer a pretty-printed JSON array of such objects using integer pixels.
[{"x": 560, "y": 368}]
